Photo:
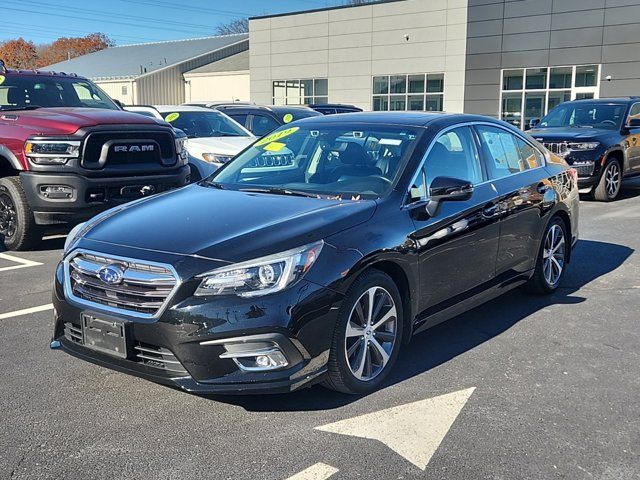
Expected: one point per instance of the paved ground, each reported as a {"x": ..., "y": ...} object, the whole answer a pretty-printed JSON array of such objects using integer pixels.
[{"x": 556, "y": 379}]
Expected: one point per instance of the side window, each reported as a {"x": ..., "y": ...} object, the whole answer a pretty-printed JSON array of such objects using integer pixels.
[
  {"x": 507, "y": 153},
  {"x": 635, "y": 111},
  {"x": 241, "y": 118},
  {"x": 454, "y": 154},
  {"x": 263, "y": 125}
]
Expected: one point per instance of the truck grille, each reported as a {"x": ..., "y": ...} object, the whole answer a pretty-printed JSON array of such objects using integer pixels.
[
  {"x": 104, "y": 148},
  {"x": 158, "y": 357},
  {"x": 558, "y": 148},
  {"x": 139, "y": 289}
]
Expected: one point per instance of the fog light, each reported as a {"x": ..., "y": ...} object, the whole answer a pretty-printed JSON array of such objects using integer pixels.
[
  {"x": 56, "y": 192},
  {"x": 258, "y": 361},
  {"x": 263, "y": 361}
]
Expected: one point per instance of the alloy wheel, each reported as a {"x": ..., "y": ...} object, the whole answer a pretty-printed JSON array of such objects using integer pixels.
[
  {"x": 8, "y": 216},
  {"x": 371, "y": 333},
  {"x": 612, "y": 179},
  {"x": 554, "y": 255}
]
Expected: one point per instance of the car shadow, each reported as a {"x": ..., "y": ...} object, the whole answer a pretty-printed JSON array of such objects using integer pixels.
[
  {"x": 52, "y": 241},
  {"x": 446, "y": 341},
  {"x": 630, "y": 189}
]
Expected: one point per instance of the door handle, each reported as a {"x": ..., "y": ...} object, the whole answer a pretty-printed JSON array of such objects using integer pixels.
[{"x": 491, "y": 210}]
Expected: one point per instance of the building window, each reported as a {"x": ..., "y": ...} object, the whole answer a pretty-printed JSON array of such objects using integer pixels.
[
  {"x": 530, "y": 93},
  {"x": 409, "y": 92},
  {"x": 301, "y": 92},
  {"x": 123, "y": 90}
]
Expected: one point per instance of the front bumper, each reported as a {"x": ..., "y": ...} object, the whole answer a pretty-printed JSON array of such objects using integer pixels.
[
  {"x": 89, "y": 196},
  {"x": 196, "y": 333}
]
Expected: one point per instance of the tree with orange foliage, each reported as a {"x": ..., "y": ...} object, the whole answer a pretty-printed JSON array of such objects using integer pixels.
[
  {"x": 66, "y": 48},
  {"x": 19, "y": 54}
]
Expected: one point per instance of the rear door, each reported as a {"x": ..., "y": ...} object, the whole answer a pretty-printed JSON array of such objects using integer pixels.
[
  {"x": 633, "y": 141},
  {"x": 515, "y": 168},
  {"x": 458, "y": 245}
]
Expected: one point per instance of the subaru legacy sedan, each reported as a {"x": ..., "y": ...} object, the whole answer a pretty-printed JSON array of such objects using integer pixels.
[{"x": 317, "y": 253}]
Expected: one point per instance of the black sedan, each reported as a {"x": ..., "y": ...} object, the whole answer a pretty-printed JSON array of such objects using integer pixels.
[{"x": 317, "y": 253}]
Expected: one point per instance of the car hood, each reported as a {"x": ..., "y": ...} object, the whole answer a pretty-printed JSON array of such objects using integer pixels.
[
  {"x": 67, "y": 121},
  {"x": 227, "y": 225},
  {"x": 567, "y": 134},
  {"x": 219, "y": 145}
]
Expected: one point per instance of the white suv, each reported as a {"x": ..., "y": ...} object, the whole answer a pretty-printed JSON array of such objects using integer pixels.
[{"x": 213, "y": 137}]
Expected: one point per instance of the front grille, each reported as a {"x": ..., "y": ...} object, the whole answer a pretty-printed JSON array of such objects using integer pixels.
[
  {"x": 73, "y": 333},
  {"x": 585, "y": 170},
  {"x": 142, "y": 291},
  {"x": 158, "y": 357},
  {"x": 558, "y": 148},
  {"x": 100, "y": 148}
]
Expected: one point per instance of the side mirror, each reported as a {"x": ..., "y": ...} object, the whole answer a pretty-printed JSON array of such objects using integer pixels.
[
  {"x": 534, "y": 122},
  {"x": 447, "y": 189},
  {"x": 119, "y": 103},
  {"x": 634, "y": 123}
]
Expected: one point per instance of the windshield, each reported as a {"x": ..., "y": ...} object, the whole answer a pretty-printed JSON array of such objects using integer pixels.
[
  {"x": 321, "y": 160},
  {"x": 589, "y": 115},
  {"x": 205, "y": 124},
  {"x": 27, "y": 92}
]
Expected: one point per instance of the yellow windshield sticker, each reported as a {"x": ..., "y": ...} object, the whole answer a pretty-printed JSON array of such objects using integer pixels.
[
  {"x": 274, "y": 147},
  {"x": 276, "y": 136},
  {"x": 288, "y": 118},
  {"x": 172, "y": 117},
  {"x": 1, "y": 79}
]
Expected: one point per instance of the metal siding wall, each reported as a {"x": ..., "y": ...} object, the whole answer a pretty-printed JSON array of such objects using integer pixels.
[
  {"x": 538, "y": 33},
  {"x": 167, "y": 87}
]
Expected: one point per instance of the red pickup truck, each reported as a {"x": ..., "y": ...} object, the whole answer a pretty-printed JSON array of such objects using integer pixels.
[{"x": 68, "y": 151}]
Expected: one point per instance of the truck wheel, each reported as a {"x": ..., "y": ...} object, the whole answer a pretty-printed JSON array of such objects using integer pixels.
[
  {"x": 610, "y": 182},
  {"x": 18, "y": 228}
]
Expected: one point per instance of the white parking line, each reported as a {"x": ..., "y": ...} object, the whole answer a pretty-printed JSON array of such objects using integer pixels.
[
  {"x": 22, "y": 263},
  {"x": 26, "y": 311},
  {"x": 319, "y": 471}
]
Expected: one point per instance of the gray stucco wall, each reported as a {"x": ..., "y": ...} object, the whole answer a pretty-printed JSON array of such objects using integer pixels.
[
  {"x": 351, "y": 45},
  {"x": 539, "y": 33}
]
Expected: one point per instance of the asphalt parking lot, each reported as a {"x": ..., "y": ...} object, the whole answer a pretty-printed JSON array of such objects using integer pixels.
[{"x": 523, "y": 387}]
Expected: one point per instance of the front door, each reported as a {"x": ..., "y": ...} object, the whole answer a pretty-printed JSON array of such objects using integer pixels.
[
  {"x": 458, "y": 244},
  {"x": 632, "y": 142}
]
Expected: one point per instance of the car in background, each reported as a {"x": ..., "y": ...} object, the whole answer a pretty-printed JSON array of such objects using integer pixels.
[
  {"x": 212, "y": 137},
  {"x": 599, "y": 138},
  {"x": 333, "y": 108},
  {"x": 319, "y": 268},
  {"x": 261, "y": 120}
]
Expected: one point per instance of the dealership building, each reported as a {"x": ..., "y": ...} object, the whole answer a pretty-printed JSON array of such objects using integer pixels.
[{"x": 513, "y": 59}]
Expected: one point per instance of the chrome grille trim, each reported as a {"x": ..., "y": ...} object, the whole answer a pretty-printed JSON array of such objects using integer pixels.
[
  {"x": 158, "y": 357},
  {"x": 557, "y": 148},
  {"x": 144, "y": 292}
]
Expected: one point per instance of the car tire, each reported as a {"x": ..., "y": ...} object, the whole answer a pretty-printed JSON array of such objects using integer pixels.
[
  {"x": 552, "y": 258},
  {"x": 610, "y": 182},
  {"x": 18, "y": 228},
  {"x": 363, "y": 354}
]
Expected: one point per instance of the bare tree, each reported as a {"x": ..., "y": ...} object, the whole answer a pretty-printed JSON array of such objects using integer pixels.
[{"x": 239, "y": 25}]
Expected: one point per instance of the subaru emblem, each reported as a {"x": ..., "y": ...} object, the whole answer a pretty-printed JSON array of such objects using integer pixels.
[{"x": 111, "y": 274}]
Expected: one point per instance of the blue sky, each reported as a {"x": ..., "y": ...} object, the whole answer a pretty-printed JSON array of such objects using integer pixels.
[{"x": 134, "y": 21}]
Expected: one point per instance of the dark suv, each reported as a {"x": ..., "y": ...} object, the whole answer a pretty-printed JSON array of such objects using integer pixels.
[
  {"x": 260, "y": 119},
  {"x": 599, "y": 138}
]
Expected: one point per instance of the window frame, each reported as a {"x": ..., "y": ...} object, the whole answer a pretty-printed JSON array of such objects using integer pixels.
[
  {"x": 301, "y": 98},
  {"x": 483, "y": 161},
  {"x": 425, "y": 94},
  {"x": 633, "y": 105},
  {"x": 522, "y": 92}
]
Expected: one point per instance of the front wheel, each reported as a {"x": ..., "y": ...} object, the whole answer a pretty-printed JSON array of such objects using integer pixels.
[
  {"x": 367, "y": 336},
  {"x": 17, "y": 224},
  {"x": 552, "y": 258},
  {"x": 610, "y": 182}
]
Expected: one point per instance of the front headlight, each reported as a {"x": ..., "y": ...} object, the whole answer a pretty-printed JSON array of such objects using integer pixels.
[
  {"x": 261, "y": 276},
  {"x": 181, "y": 148},
  {"x": 51, "y": 152},
  {"x": 215, "y": 158},
  {"x": 583, "y": 145},
  {"x": 72, "y": 237}
]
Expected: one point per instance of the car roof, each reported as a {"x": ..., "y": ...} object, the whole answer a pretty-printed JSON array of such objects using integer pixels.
[
  {"x": 413, "y": 119},
  {"x": 619, "y": 100}
]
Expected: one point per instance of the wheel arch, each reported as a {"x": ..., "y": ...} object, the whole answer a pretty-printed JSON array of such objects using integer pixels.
[{"x": 9, "y": 163}]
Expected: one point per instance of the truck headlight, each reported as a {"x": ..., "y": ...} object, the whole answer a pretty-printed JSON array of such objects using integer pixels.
[
  {"x": 261, "y": 276},
  {"x": 215, "y": 158},
  {"x": 51, "y": 152},
  {"x": 583, "y": 145},
  {"x": 181, "y": 148}
]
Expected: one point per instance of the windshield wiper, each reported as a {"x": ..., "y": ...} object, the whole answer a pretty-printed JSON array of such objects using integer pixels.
[
  {"x": 280, "y": 191},
  {"x": 26, "y": 107},
  {"x": 213, "y": 184}
]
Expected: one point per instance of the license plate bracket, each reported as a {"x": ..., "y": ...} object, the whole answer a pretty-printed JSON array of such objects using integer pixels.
[{"x": 107, "y": 336}]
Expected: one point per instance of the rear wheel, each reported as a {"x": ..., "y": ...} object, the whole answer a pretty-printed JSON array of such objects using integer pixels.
[
  {"x": 367, "y": 336},
  {"x": 18, "y": 229},
  {"x": 610, "y": 182},
  {"x": 552, "y": 258}
]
